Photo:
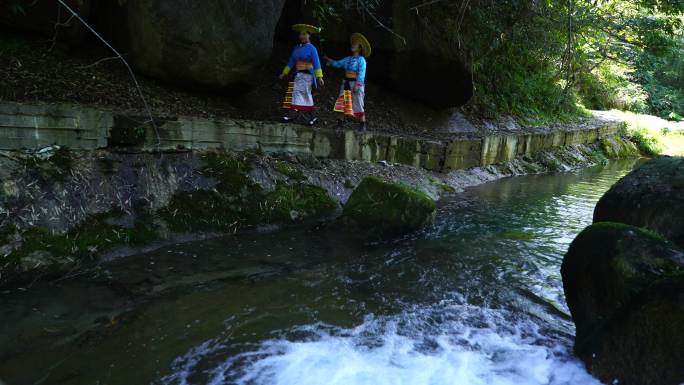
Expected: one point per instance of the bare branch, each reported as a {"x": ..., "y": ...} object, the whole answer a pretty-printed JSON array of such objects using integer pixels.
[
  {"x": 98, "y": 62},
  {"x": 130, "y": 70},
  {"x": 423, "y": 5},
  {"x": 388, "y": 29}
]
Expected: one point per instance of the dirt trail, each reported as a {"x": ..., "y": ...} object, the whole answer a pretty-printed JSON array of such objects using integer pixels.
[{"x": 33, "y": 71}]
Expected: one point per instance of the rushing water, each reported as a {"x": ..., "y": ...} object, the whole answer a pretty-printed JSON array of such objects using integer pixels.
[{"x": 474, "y": 299}]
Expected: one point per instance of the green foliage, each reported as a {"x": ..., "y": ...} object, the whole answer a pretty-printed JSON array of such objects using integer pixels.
[
  {"x": 547, "y": 58},
  {"x": 675, "y": 116},
  {"x": 514, "y": 65},
  {"x": 610, "y": 87},
  {"x": 652, "y": 134},
  {"x": 648, "y": 143}
]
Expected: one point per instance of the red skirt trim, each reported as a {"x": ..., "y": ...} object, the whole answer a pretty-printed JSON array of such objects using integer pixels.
[{"x": 302, "y": 108}]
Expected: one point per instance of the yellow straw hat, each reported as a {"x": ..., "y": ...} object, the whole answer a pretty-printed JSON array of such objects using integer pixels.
[
  {"x": 306, "y": 28},
  {"x": 357, "y": 38}
]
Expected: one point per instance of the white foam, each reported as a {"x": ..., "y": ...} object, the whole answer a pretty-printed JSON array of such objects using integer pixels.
[{"x": 453, "y": 345}]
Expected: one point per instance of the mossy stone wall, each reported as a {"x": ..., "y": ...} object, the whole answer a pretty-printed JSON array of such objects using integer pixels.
[{"x": 35, "y": 126}]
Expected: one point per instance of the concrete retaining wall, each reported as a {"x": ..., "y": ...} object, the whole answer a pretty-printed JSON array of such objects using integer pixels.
[{"x": 34, "y": 126}]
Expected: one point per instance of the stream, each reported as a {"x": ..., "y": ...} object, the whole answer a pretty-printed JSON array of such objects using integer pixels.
[{"x": 475, "y": 298}]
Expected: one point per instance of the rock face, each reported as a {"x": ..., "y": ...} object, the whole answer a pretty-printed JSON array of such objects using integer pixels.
[
  {"x": 381, "y": 207},
  {"x": 213, "y": 43},
  {"x": 625, "y": 289},
  {"x": 651, "y": 196}
]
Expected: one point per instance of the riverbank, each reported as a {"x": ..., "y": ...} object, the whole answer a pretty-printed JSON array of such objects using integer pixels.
[
  {"x": 67, "y": 210},
  {"x": 101, "y": 178}
]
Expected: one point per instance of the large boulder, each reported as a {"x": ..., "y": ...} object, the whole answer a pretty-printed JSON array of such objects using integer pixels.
[
  {"x": 625, "y": 289},
  {"x": 380, "y": 207},
  {"x": 651, "y": 196},
  {"x": 210, "y": 43}
]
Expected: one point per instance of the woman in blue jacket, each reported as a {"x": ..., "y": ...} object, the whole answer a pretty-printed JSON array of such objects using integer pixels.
[
  {"x": 304, "y": 60},
  {"x": 350, "y": 102}
]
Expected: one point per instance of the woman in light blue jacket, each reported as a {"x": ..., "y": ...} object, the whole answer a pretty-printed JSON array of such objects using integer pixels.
[{"x": 350, "y": 102}]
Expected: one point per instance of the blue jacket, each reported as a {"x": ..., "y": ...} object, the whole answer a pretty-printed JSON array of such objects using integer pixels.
[
  {"x": 308, "y": 53},
  {"x": 352, "y": 63}
]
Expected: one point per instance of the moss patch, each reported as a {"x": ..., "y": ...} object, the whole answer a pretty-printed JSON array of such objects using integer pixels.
[
  {"x": 228, "y": 206},
  {"x": 607, "y": 232},
  {"x": 599, "y": 157},
  {"x": 443, "y": 187},
  {"x": 230, "y": 170},
  {"x": 406, "y": 150},
  {"x": 289, "y": 170},
  {"x": 293, "y": 202},
  {"x": 385, "y": 207},
  {"x": 618, "y": 147},
  {"x": 550, "y": 162},
  {"x": 92, "y": 237},
  {"x": 238, "y": 201},
  {"x": 348, "y": 184}
]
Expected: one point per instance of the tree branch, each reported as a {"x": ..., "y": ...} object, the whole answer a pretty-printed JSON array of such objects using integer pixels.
[
  {"x": 98, "y": 62},
  {"x": 388, "y": 29},
  {"x": 130, "y": 70},
  {"x": 423, "y": 5}
]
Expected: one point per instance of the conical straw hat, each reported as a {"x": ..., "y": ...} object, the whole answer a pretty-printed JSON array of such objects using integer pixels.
[
  {"x": 357, "y": 38},
  {"x": 306, "y": 28}
]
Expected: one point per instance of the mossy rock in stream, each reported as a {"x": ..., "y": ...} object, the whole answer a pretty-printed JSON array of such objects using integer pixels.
[
  {"x": 616, "y": 147},
  {"x": 382, "y": 207},
  {"x": 624, "y": 288},
  {"x": 651, "y": 196}
]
